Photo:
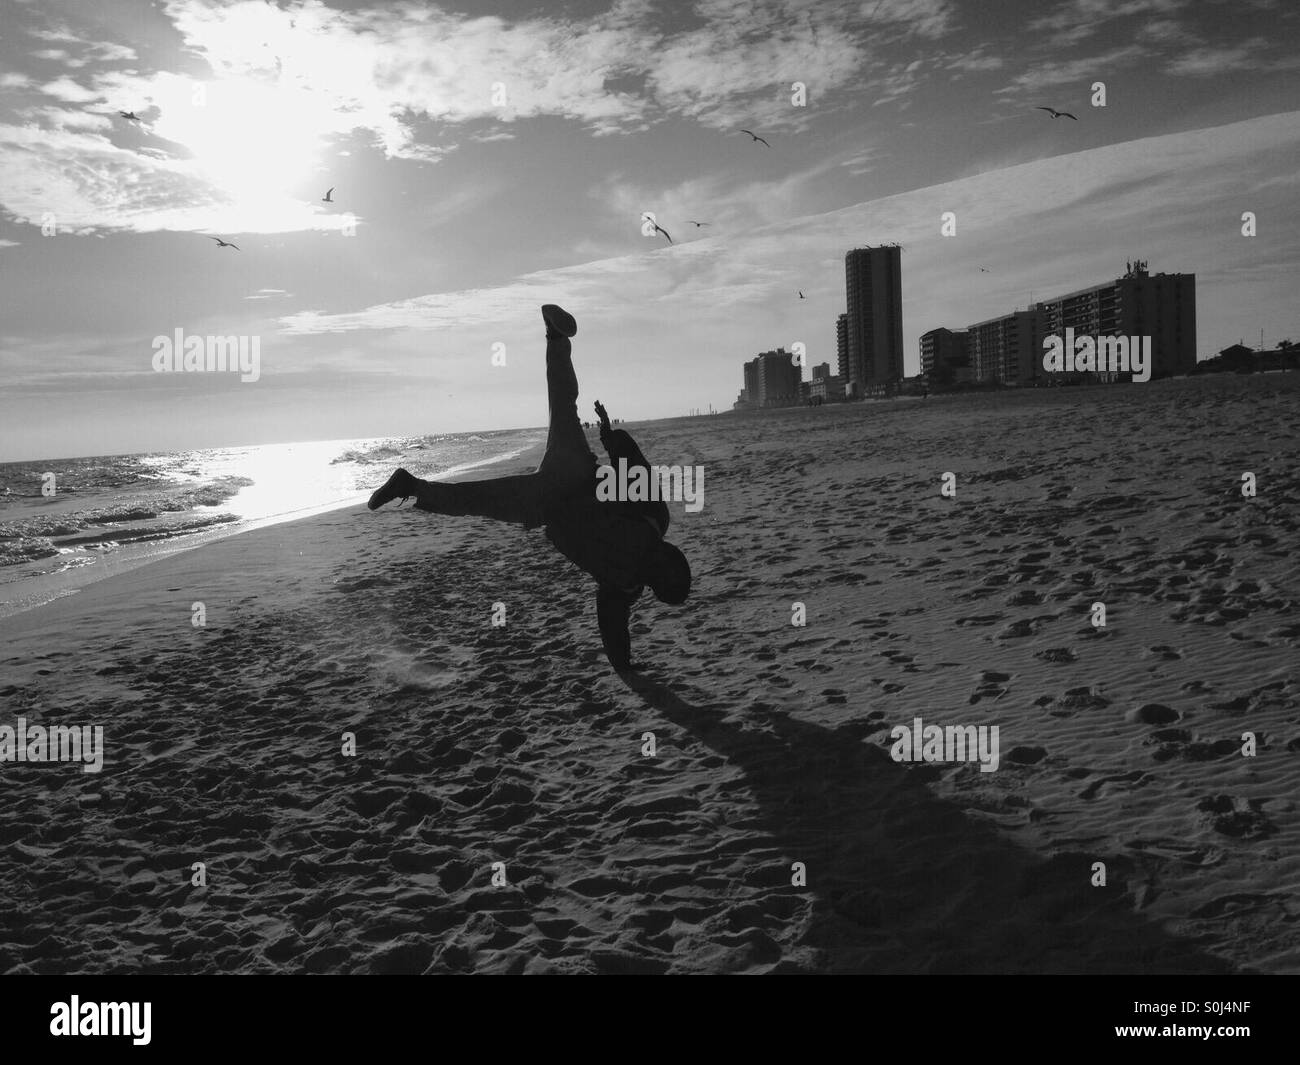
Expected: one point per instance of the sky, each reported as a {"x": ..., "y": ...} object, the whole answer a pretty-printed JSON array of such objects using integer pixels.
[{"x": 488, "y": 158}]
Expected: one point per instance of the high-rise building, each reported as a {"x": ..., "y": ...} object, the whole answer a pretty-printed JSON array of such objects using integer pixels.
[
  {"x": 874, "y": 340},
  {"x": 1008, "y": 349},
  {"x": 823, "y": 370},
  {"x": 772, "y": 379},
  {"x": 943, "y": 351},
  {"x": 778, "y": 379},
  {"x": 1161, "y": 306},
  {"x": 842, "y": 346},
  {"x": 751, "y": 380}
]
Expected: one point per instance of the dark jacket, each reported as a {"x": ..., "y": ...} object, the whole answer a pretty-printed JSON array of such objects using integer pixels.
[{"x": 612, "y": 542}]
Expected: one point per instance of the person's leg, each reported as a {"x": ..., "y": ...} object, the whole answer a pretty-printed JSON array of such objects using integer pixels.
[
  {"x": 515, "y": 499},
  {"x": 568, "y": 466}
]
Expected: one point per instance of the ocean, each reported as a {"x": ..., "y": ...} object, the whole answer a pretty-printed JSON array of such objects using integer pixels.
[{"x": 67, "y": 522}]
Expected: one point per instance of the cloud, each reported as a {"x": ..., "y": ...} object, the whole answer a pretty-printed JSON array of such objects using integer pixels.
[
  {"x": 1076, "y": 20},
  {"x": 859, "y": 162},
  {"x": 68, "y": 91},
  {"x": 917, "y": 18},
  {"x": 89, "y": 51},
  {"x": 977, "y": 60},
  {"x": 267, "y": 90},
  {"x": 1056, "y": 72},
  {"x": 1230, "y": 59}
]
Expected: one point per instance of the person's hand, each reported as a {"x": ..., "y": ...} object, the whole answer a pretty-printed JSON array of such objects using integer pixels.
[{"x": 603, "y": 414}]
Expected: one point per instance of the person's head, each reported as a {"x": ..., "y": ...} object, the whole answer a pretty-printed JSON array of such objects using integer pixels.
[{"x": 669, "y": 574}]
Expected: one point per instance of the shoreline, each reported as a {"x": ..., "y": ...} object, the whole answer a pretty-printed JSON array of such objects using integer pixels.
[{"x": 68, "y": 584}]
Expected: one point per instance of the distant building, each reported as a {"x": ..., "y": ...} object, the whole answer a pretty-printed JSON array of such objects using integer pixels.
[
  {"x": 1009, "y": 349},
  {"x": 826, "y": 389},
  {"x": 842, "y": 346},
  {"x": 772, "y": 379},
  {"x": 824, "y": 370},
  {"x": 1161, "y": 306},
  {"x": 1238, "y": 358},
  {"x": 943, "y": 353},
  {"x": 874, "y": 333}
]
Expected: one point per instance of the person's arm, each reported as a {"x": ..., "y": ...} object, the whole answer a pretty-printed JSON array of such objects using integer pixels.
[
  {"x": 606, "y": 431},
  {"x": 612, "y": 612},
  {"x": 618, "y": 443}
]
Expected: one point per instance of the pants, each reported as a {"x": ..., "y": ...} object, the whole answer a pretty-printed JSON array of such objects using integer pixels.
[{"x": 568, "y": 467}]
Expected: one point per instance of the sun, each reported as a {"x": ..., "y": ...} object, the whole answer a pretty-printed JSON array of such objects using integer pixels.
[{"x": 251, "y": 140}]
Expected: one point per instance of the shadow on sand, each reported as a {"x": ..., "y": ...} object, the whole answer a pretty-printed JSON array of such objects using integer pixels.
[{"x": 907, "y": 882}]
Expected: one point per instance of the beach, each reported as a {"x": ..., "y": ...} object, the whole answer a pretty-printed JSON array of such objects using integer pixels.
[{"x": 496, "y": 810}]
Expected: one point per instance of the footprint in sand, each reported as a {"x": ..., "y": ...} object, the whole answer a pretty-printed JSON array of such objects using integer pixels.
[
  {"x": 1180, "y": 743},
  {"x": 1057, "y": 655},
  {"x": 1236, "y": 816},
  {"x": 979, "y": 619},
  {"x": 1073, "y": 701},
  {"x": 1126, "y": 782},
  {"x": 1161, "y": 651},
  {"x": 1152, "y": 714},
  {"x": 990, "y": 686}
]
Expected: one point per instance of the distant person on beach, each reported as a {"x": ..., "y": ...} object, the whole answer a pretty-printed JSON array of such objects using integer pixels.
[{"x": 619, "y": 543}]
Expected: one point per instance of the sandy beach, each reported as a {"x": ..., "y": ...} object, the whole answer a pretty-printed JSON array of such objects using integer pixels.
[{"x": 479, "y": 744}]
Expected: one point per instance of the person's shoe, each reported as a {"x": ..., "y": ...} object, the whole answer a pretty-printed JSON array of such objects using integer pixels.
[
  {"x": 559, "y": 320},
  {"x": 400, "y": 485}
]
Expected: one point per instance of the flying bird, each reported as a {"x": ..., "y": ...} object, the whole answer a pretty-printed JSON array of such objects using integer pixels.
[
  {"x": 756, "y": 137},
  {"x": 801, "y": 295},
  {"x": 1056, "y": 114},
  {"x": 329, "y": 196},
  {"x": 130, "y": 116},
  {"x": 658, "y": 227},
  {"x": 984, "y": 269},
  {"x": 697, "y": 224},
  {"x": 224, "y": 243}
]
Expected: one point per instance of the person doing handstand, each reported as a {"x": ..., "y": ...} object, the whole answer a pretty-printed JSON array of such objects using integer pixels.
[{"x": 620, "y": 543}]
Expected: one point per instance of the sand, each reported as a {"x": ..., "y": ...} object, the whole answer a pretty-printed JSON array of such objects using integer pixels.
[{"x": 517, "y": 744}]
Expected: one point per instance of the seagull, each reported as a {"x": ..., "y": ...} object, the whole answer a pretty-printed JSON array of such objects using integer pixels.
[
  {"x": 224, "y": 243},
  {"x": 984, "y": 269},
  {"x": 130, "y": 116},
  {"x": 801, "y": 295},
  {"x": 697, "y": 225},
  {"x": 1056, "y": 114},
  {"x": 755, "y": 136},
  {"x": 328, "y": 197},
  {"x": 658, "y": 227}
]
